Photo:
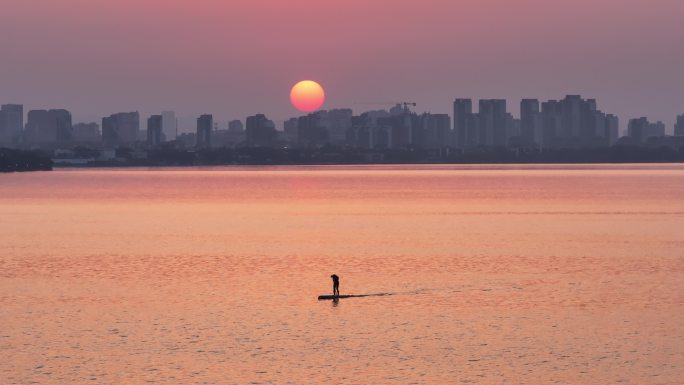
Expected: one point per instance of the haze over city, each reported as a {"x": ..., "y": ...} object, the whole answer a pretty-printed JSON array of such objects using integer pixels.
[{"x": 238, "y": 58}]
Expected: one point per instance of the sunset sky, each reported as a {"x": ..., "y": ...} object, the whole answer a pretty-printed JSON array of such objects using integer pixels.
[{"x": 234, "y": 58}]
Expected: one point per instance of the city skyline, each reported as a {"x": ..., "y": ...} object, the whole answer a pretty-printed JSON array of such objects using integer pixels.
[
  {"x": 185, "y": 123},
  {"x": 424, "y": 52},
  {"x": 572, "y": 122}
]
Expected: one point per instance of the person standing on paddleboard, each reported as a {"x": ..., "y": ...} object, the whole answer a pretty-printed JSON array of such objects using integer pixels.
[{"x": 336, "y": 285}]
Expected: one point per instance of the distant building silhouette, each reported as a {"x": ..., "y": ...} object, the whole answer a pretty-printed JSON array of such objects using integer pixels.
[
  {"x": 396, "y": 131},
  {"x": 121, "y": 129},
  {"x": 574, "y": 122},
  {"x": 187, "y": 139},
  {"x": 86, "y": 133},
  {"x": 402, "y": 128},
  {"x": 365, "y": 132},
  {"x": 466, "y": 124},
  {"x": 311, "y": 131},
  {"x": 291, "y": 131},
  {"x": 48, "y": 128},
  {"x": 236, "y": 133},
  {"x": 232, "y": 137},
  {"x": 657, "y": 129},
  {"x": 320, "y": 128},
  {"x": 552, "y": 122},
  {"x": 641, "y": 129},
  {"x": 236, "y": 126},
  {"x": 169, "y": 125},
  {"x": 358, "y": 135},
  {"x": 434, "y": 131},
  {"x": 205, "y": 126},
  {"x": 155, "y": 135},
  {"x": 530, "y": 123},
  {"x": 637, "y": 129},
  {"x": 11, "y": 124},
  {"x": 612, "y": 128},
  {"x": 494, "y": 122},
  {"x": 260, "y": 131},
  {"x": 679, "y": 126},
  {"x": 338, "y": 122}
]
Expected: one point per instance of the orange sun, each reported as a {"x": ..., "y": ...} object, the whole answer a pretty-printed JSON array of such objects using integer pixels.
[{"x": 307, "y": 96}]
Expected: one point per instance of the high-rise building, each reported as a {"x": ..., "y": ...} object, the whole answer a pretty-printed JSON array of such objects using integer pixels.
[
  {"x": 48, "y": 127},
  {"x": 205, "y": 125},
  {"x": 86, "y": 133},
  {"x": 379, "y": 134},
  {"x": 401, "y": 128},
  {"x": 436, "y": 130},
  {"x": 530, "y": 123},
  {"x": 236, "y": 133},
  {"x": 338, "y": 123},
  {"x": 11, "y": 124},
  {"x": 260, "y": 131},
  {"x": 121, "y": 129},
  {"x": 641, "y": 129},
  {"x": 637, "y": 129},
  {"x": 679, "y": 126},
  {"x": 155, "y": 135},
  {"x": 311, "y": 130},
  {"x": 232, "y": 137},
  {"x": 365, "y": 131},
  {"x": 322, "y": 127},
  {"x": 463, "y": 120},
  {"x": 236, "y": 126},
  {"x": 612, "y": 128},
  {"x": 656, "y": 130},
  {"x": 169, "y": 125},
  {"x": 359, "y": 133},
  {"x": 573, "y": 122},
  {"x": 494, "y": 121},
  {"x": 551, "y": 111},
  {"x": 572, "y": 115},
  {"x": 291, "y": 131},
  {"x": 512, "y": 128},
  {"x": 606, "y": 128}
]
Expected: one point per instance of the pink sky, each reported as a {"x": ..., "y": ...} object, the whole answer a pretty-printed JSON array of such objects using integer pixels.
[{"x": 233, "y": 58}]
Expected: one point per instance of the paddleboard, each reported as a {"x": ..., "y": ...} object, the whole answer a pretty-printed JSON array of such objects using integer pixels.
[
  {"x": 328, "y": 297},
  {"x": 334, "y": 297}
]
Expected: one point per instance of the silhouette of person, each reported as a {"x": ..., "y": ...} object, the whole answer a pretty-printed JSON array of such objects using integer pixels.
[{"x": 336, "y": 285}]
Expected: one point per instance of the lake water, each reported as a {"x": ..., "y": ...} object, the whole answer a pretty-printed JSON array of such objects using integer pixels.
[{"x": 498, "y": 275}]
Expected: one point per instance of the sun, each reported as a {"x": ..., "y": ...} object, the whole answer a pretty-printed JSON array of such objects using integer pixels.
[{"x": 307, "y": 96}]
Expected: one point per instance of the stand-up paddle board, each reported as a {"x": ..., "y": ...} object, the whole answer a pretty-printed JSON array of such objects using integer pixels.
[
  {"x": 326, "y": 297},
  {"x": 334, "y": 297}
]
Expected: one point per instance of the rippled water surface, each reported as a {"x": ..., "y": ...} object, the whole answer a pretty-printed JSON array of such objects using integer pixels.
[{"x": 503, "y": 274}]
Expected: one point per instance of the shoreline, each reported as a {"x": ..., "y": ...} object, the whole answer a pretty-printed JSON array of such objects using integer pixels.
[{"x": 63, "y": 166}]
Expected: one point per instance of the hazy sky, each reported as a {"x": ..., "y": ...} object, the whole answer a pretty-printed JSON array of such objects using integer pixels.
[{"x": 233, "y": 58}]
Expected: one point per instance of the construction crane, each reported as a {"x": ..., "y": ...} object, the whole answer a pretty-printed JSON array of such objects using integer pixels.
[{"x": 404, "y": 104}]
